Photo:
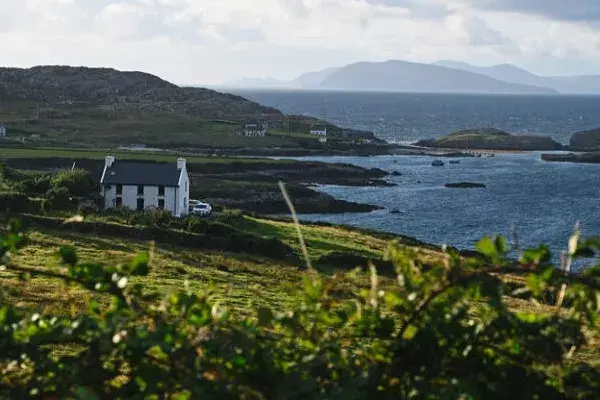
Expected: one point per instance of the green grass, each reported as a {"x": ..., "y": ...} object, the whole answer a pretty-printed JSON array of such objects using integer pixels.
[
  {"x": 49, "y": 152},
  {"x": 240, "y": 281},
  {"x": 92, "y": 125}
]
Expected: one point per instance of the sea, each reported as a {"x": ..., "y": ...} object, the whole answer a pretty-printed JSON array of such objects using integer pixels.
[{"x": 526, "y": 199}]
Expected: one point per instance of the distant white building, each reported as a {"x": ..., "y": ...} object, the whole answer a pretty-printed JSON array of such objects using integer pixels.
[
  {"x": 319, "y": 131},
  {"x": 138, "y": 185},
  {"x": 254, "y": 129},
  {"x": 323, "y": 139},
  {"x": 3, "y": 131}
]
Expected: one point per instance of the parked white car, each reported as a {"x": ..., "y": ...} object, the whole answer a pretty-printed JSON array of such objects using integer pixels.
[{"x": 201, "y": 209}]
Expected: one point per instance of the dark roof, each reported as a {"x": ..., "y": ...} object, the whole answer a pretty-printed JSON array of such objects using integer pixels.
[{"x": 142, "y": 173}]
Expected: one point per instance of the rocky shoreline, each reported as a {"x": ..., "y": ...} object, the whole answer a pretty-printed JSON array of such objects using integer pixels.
[{"x": 589, "y": 158}]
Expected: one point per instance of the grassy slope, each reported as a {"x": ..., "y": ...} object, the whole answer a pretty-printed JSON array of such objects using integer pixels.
[{"x": 240, "y": 280}]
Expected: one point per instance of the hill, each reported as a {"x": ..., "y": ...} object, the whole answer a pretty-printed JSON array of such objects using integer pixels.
[
  {"x": 586, "y": 84},
  {"x": 312, "y": 79},
  {"x": 56, "y": 85},
  {"x": 403, "y": 76},
  {"x": 492, "y": 139},
  {"x": 503, "y": 72},
  {"x": 100, "y": 107}
]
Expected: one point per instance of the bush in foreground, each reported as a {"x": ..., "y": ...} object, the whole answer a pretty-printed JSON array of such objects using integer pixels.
[{"x": 443, "y": 332}]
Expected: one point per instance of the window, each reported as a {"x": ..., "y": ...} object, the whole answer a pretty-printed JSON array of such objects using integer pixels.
[
  {"x": 140, "y": 190},
  {"x": 119, "y": 189},
  {"x": 140, "y": 204},
  {"x": 119, "y": 202},
  {"x": 185, "y": 203},
  {"x": 161, "y": 204},
  {"x": 186, "y": 187},
  {"x": 161, "y": 190}
]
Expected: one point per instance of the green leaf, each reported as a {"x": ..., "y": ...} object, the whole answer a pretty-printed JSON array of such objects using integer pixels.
[
  {"x": 140, "y": 264},
  {"x": 265, "y": 316},
  {"x": 500, "y": 244},
  {"x": 487, "y": 247},
  {"x": 68, "y": 254},
  {"x": 83, "y": 393}
]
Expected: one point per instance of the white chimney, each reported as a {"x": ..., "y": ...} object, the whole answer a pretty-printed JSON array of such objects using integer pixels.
[
  {"x": 180, "y": 163},
  {"x": 109, "y": 161}
]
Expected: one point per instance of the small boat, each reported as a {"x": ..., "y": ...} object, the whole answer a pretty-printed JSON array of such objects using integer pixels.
[
  {"x": 438, "y": 163},
  {"x": 454, "y": 161}
]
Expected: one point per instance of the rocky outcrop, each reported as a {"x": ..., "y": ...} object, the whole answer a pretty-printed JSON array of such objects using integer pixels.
[
  {"x": 586, "y": 140},
  {"x": 492, "y": 139},
  {"x": 465, "y": 185},
  {"x": 590, "y": 158}
]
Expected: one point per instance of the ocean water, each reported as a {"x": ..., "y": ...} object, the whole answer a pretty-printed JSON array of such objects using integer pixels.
[
  {"x": 538, "y": 200},
  {"x": 406, "y": 117},
  {"x": 541, "y": 201}
]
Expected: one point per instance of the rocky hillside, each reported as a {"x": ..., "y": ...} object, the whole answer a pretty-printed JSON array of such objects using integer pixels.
[
  {"x": 492, "y": 139},
  {"x": 586, "y": 140},
  {"x": 56, "y": 85}
]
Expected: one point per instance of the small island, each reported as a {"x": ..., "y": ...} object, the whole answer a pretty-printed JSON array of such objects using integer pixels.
[
  {"x": 589, "y": 158},
  {"x": 492, "y": 139},
  {"x": 586, "y": 141},
  {"x": 465, "y": 185}
]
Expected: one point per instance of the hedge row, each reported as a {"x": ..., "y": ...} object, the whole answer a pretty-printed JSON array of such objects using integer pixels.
[
  {"x": 230, "y": 242},
  {"x": 14, "y": 202}
]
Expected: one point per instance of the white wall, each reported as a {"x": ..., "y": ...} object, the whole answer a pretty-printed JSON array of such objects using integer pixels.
[
  {"x": 183, "y": 194},
  {"x": 171, "y": 199},
  {"x": 109, "y": 195},
  {"x": 150, "y": 196},
  {"x": 318, "y": 132}
]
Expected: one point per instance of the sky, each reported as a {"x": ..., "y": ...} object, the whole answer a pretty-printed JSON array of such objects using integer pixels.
[{"x": 216, "y": 41}]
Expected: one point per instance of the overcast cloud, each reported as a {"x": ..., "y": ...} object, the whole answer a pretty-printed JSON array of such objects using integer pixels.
[{"x": 211, "y": 41}]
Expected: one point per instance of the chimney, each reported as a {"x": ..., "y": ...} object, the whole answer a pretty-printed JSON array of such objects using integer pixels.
[
  {"x": 109, "y": 161},
  {"x": 180, "y": 163}
]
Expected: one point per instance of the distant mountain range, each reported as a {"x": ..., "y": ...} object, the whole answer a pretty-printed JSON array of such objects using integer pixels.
[{"x": 440, "y": 77}]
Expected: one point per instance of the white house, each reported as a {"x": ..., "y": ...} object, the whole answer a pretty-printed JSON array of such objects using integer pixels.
[
  {"x": 2, "y": 130},
  {"x": 254, "y": 129},
  {"x": 138, "y": 185},
  {"x": 318, "y": 131}
]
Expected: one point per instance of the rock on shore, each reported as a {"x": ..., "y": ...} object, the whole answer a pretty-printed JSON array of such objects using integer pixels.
[{"x": 465, "y": 185}]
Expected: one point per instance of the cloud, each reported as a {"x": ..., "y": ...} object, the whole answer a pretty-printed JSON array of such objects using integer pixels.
[
  {"x": 477, "y": 32},
  {"x": 209, "y": 41},
  {"x": 560, "y": 10}
]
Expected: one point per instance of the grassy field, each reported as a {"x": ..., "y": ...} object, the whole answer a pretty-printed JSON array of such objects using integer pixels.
[
  {"x": 90, "y": 125},
  {"x": 50, "y": 152},
  {"x": 240, "y": 281}
]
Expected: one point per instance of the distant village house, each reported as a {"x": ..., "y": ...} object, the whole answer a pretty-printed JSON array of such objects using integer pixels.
[
  {"x": 3, "y": 131},
  {"x": 318, "y": 131},
  {"x": 254, "y": 129},
  {"x": 139, "y": 185}
]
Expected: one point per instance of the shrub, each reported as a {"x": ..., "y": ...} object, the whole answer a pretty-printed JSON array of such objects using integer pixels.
[
  {"x": 14, "y": 203},
  {"x": 78, "y": 182},
  {"x": 39, "y": 185},
  {"x": 443, "y": 332},
  {"x": 58, "y": 199}
]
